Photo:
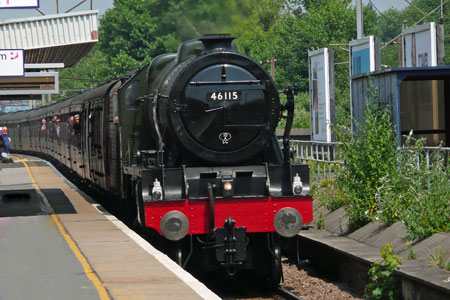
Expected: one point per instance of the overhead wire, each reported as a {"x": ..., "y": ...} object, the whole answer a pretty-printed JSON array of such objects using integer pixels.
[
  {"x": 390, "y": 20},
  {"x": 418, "y": 9},
  {"x": 421, "y": 19}
]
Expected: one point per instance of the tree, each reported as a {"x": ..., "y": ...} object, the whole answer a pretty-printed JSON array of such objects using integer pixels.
[
  {"x": 89, "y": 72},
  {"x": 135, "y": 31}
]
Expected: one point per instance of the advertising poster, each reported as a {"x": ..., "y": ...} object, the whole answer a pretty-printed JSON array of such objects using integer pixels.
[
  {"x": 321, "y": 94},
  {"x": 419, "y": 46},
  {"x": 364, "y": 56},
  {"x": 11, "y": 62},
  {"x": 19, "y": 3}
]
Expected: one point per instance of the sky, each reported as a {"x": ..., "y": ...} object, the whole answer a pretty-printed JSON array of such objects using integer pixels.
[
  {"x": 49, "y": 7},
  {"x": 383, "y": 5}
]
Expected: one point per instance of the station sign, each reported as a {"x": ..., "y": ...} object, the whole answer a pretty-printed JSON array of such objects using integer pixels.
[
  {"x": 33, "y": 83},
  {"x": 365, "y": 55},
  {"x": 13, "y": 108},
  {"x": 12, "y": 62},
  {"x": 421, "y": 45},
  {"x": 19, "y": 4},
  {"x": 321, "y": 94}
]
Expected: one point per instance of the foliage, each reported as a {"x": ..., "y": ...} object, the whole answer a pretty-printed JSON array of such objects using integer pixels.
[
  {"x": 320, "y": 222},
  {"x": 388, "y": 27},
  {"x": 290, "y": 32},
  {"x": 301, "y": 113},
  {"x": 329, "y": 195},
  {"x": 417, "y": 194},
  {"x": 438, "y": 258},
  {"x": 89, "y": 72},
  {"x": 383, "y": 284},
  {"x": 411, "y": 254},
  {"x": 369, "y": 156},
  {"x": 135, "y": 31}
]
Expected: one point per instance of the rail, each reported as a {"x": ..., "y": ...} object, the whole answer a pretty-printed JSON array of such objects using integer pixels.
[{"x": 286, "y": 294}]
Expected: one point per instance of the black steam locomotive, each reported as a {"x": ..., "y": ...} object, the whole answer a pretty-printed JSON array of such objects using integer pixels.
[{"x": 187, "y": 145}]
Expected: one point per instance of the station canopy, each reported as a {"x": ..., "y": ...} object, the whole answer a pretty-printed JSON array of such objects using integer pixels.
[{"x": 62, "y": 38}]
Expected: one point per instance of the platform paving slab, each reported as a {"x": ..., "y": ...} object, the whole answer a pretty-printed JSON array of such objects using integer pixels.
[
  {"x": 125, "y": 269},
  {"x": 37, "y": 263},
  {"x": 437, "y": 244},
  {"x": 17, "y": 194},
  {"x": 368, "y": 231},
  {"x": 336, "y": 222},
  {"x": 418, "y": 276}
]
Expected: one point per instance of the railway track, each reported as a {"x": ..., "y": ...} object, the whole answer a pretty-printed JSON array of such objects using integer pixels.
[{"x": 286, "y": 294}]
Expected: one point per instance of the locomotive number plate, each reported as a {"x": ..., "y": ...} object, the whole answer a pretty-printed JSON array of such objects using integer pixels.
[{"x": 224, "y": 95}]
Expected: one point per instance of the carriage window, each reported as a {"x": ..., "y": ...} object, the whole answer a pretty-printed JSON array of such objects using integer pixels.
[
  {"x": 115, "y": 105},
  {"x": 55, "y": 127},
  {"x": 131, "y": 95},
  {"x": 75, "y": 124},
  {"x": 43, "y": 126}
]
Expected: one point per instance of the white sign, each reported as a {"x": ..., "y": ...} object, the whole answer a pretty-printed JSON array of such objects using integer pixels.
[
  {"x": 19, "y": 3},
  {"x": 321, "y": 94},
  {"x": 11, "y": 62},
  {"x": 419, "y": 46},
  {"x": 364, "y": 56}
]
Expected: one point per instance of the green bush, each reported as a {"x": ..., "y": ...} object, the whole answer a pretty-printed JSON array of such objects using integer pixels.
[
  {"x": 368, "y": 155},
  {"x": 383, "y": 284},
  {"x": 329, "y": 194},
  {"x": 301, "y": 114},
  {"x": 416, "y": 194}
]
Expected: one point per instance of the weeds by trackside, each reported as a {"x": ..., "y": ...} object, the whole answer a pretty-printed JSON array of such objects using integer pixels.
[
  {"x": 440, "y": 258},
  {"x": 383, "y": 283},
  {"x": 411, "y": 254}
]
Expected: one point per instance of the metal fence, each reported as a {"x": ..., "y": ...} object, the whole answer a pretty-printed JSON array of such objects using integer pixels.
[
  {"x": 427, "y": 154},
  {"x": 325, "y": 158}
]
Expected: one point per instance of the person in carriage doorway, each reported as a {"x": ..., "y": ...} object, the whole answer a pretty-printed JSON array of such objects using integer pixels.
[
  {"x": 5, "y": 142},
  {"x": 44, "y": 125},
  {"x": 6, "y": 139},
  {"x": 2, "y": 143}
]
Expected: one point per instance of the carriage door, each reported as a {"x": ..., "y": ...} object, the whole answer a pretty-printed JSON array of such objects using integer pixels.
[
  {"x": 98, "y": 142},
  {"x": 89, "y": 142},
  {"x": 83, "y": 150},
  {"x": 20, "y": 136},
  {"x": 94, "y": 133}
]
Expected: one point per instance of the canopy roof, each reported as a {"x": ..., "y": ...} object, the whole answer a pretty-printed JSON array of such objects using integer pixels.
[{"x": 62, "y": 38}]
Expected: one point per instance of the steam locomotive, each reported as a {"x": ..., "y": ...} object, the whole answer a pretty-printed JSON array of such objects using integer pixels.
[{"x": 187, "y": 146}]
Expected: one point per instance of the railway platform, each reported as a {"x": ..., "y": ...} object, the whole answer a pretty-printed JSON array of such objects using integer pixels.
[
  {"x": 57, "y": 243},
  {"x": 350, "y": 255}
]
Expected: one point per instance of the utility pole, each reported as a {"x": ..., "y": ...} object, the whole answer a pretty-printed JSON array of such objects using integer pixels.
[
  {"x": 272, "y": 62},
  {"x": 359, "y": 20}
]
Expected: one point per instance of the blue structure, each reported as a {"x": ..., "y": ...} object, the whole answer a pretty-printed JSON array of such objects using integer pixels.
[{"x": 419, "y": 99}]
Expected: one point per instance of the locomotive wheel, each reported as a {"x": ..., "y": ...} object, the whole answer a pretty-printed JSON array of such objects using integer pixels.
[
  {"x": 139, "y": 209},
  {"x": 179, "y": 256},
  {"x": 276, "y": 267}
]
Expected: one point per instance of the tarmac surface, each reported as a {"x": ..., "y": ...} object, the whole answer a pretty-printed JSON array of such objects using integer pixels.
[{"x": 57, "y": 243}]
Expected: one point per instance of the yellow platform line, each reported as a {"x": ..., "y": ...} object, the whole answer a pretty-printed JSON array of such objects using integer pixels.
[{"x": 103, "y": 294}]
